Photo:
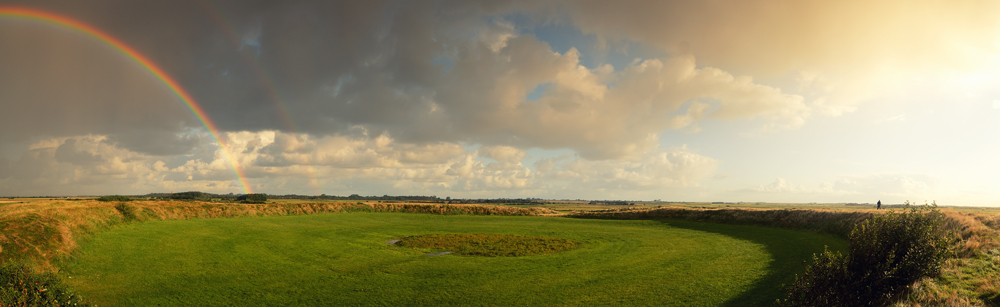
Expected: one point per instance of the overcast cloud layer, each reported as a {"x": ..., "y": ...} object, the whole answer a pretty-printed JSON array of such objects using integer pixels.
[{"x": 576, "y": 99}]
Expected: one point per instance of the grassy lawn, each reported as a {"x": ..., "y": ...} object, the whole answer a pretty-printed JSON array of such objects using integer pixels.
[{"x": 343, "y": 259}]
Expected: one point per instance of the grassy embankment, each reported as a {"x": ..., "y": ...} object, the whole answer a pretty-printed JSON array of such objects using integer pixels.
[
  {"x": 35, "y": 233},
  {"x": 971, "y": 277},
  {"x": 44, "y": 230},
  {"x": 344, "y": 259}
]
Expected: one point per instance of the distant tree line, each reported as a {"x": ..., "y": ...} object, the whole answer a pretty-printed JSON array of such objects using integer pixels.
[
  {"x": 114, "y": 198},
  {"x": 505, "y": 201},
  {"x": 612, "y": 203},
  {"x": 359, "y": 197},
  {"x": 197, "y": 195},
  {"x": 256, "y": 198},
  {"x": 194, "y": 195},
  {"x": 417, "y": 198}
]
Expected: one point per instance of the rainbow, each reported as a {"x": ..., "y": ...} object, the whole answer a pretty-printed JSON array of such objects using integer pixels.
[
  {"x": 79, "y": 27},
  {"x": 267, "y": 83}
]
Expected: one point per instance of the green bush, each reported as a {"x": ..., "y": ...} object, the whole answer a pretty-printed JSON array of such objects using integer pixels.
[
  {"x": 889, "y": 252},
  {"x": 127, "y": 211},
  {"x": 256, "y": 198},
  {"x": 114, "y": 198},
  {"x": 20, "y": 286}
]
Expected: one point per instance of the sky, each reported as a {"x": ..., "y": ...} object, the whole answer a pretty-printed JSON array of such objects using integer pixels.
[{"x": 743, "y": 100}]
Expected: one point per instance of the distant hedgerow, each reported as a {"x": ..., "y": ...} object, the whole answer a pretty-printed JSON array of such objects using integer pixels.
[
  {"x": 889, "y": 252},
  {"x": 114, "y": 198},
  {"x": 192, "y": 195},
  {"x": 255, "y": 198}
]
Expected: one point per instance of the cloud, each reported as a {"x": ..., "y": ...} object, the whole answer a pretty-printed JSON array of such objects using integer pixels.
[
  {"x": 331, "y": 68},
  {"x": 69, "y": 153},
  {"x": 661, "y": 168},
  {"x": 852, "y": 188},
  {"x": 854, "y": 50},
  {"x": 391, "y": 94},
  {"x": 4, "y": 168},
  {"x": 897, "y": 185},
  {"x": 62, "y": 84},
  {"x": 74, "y": 166},
  {"x": 779, "y": 185},
  {"x": 600, "y": 114},
  {"x": 502, "y": 153},
  {"x": 283, "y": 149},
  {"x": 768, "y": 37},
  {"x": 158, "y": 142},
  {"x": 299, "y": 163}
]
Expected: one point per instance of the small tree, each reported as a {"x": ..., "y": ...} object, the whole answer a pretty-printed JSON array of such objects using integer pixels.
[{"x": 889, "y": 252}]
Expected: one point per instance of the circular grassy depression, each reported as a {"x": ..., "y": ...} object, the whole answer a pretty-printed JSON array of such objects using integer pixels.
[
  {"x": 490, "y": 244},
  {"x": 343, "y": 260}
]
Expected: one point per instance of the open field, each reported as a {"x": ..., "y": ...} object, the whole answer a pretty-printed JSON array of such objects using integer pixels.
[
  {"x": 42, "y": 231},
  {"x": 579, "y": 206},
  {"x": 343, "y": 259},
  {"x": 45, "y": 231}
]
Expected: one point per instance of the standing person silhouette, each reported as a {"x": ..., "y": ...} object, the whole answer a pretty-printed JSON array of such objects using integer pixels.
[{"x": 879, "y": 205}]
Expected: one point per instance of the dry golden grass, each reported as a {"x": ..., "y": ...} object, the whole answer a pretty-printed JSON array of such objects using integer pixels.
[
  {"x": 837, "y": 222},
  {"x": 42, "y": 231},
  {"x": 972, "y": 277}
]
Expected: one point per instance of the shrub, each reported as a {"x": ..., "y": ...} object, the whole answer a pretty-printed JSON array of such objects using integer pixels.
[
  {"x": 256, "y": 198},
  {"x": 889, "y": 252},
  {"x": 20, "y": 286},
  {"x": 127, "y": 211},
  {"x": 114, "y": 198}
]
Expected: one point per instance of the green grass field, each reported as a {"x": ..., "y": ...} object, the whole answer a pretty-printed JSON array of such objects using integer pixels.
[{"x": 343, "y": 259}]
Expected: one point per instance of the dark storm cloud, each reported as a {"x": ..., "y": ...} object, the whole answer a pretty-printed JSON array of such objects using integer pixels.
[
  {"x": 4, "y": 168},
  {"x": 69, "y": 153},
  {"x": 58, "y": 82},
  {"x": 77, "y": 86},
  {"x": 339, "y": 67},
  {"x": 32, "y": 164},
  {"x": 304, "y": 49},
  {"x": 157, "y": 142}
]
